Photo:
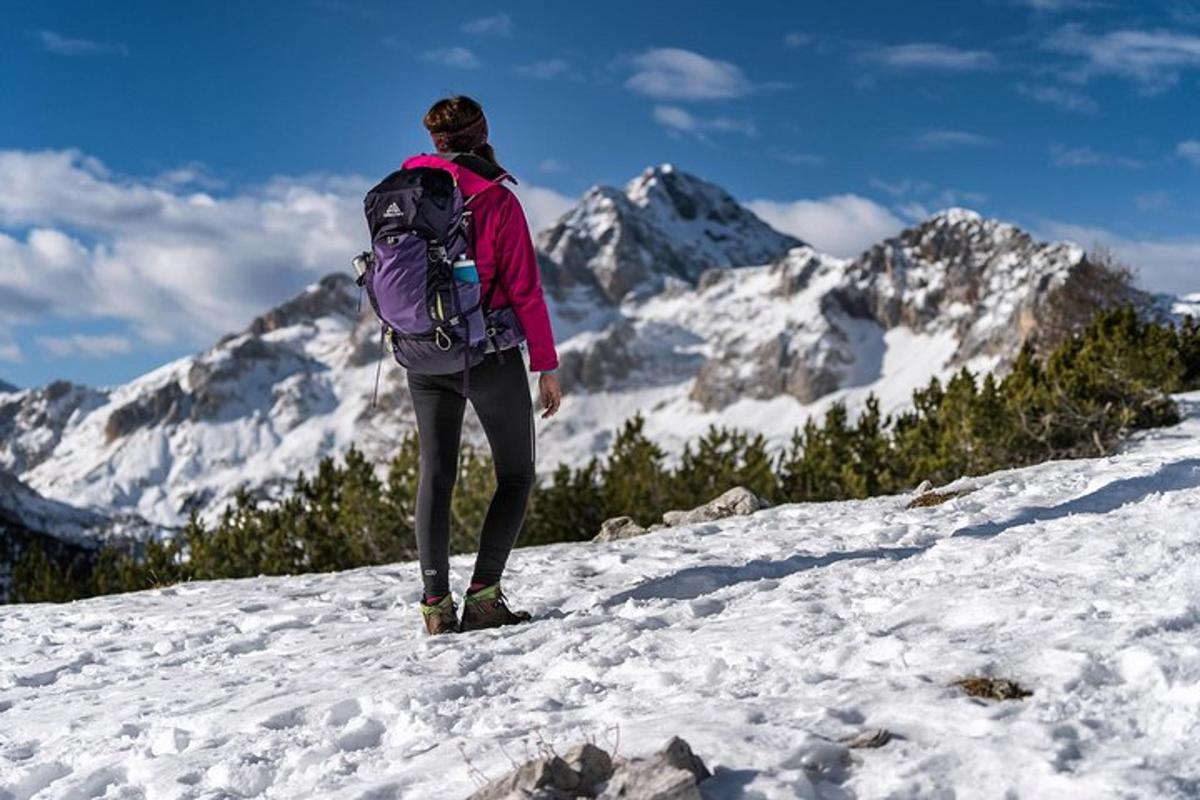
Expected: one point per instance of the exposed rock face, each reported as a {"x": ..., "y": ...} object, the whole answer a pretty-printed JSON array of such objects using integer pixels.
[
  {"x": 990, "y": 283},
  {"x": 334, "y": 295},
  {"x": 665, "y": 223},
  {"x": 32, "y": 423}
]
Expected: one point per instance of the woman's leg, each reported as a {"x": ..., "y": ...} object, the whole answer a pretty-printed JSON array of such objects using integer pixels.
[
  {"x": 439, "y": 409},
  {"x": 500, "y": 395}
]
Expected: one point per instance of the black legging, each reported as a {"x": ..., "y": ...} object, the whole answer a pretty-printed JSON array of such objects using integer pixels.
[{"x": 499, "y": 393}]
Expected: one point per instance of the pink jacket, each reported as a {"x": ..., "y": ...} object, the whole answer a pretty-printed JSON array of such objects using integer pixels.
[{"x": 504, "y": 253}]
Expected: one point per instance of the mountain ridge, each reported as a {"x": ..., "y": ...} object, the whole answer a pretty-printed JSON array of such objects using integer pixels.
[{"x": 758, "y": 345}]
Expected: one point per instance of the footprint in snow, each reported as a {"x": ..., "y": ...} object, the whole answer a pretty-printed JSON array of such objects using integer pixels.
[
  {"x": 361, "y": 735},
  {"x": 342, "y": 712}
]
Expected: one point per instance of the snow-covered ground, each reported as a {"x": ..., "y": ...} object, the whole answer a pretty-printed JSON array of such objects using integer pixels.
[{"x": 761, "y": 640}]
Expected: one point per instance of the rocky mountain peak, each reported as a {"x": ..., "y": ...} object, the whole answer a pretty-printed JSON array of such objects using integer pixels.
[
  {"x": 666, "y": 223},
  {"x": 7, "y": 388},
  {"x": 333, "y": 295}
]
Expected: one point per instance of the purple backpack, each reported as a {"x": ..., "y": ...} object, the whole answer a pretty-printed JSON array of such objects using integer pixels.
[{"x": 421, "y": 277}]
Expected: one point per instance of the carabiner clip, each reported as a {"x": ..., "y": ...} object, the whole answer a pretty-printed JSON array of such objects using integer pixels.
[{"x": 441, "y": 336}]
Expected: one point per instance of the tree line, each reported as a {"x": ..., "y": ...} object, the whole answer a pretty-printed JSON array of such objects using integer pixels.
[{"x": 1080, "y": 399}]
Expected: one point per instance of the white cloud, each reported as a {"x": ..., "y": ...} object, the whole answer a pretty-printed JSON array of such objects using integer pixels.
[
  {"x": 1171, "y": 265},
  {"x": 176, "y": 265},
  {"x": 497, "y": 25},
  {"x": 457, "y": 56},
  {"x": 10, "y": 352},
  {"x": 798, "y": 39},
  {"x": 80, "y": 243},
  {"x": 542, "y": 206},
  {"x": 932, "y": 56},
  {"x": 948, "y": 139},
  {"x": 53, "y": 42},
  {"x": 1189, "y": 150},
  {"x": 545, "y": 70},
  {"x": 1059, "y": 97},
  {"x": 1153, "y": 58},
  {"x": 670, "y": 73},
  {"x": 551, "y": 165},
  {"x": 843, "y": 225},
  {"x": 105, "y": 346},
  {"x": 682, "y": 120},
  {"x": 1089, "y": 157}
]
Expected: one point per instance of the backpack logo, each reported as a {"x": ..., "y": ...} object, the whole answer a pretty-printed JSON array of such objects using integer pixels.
[{"x": 393, "y": 211}]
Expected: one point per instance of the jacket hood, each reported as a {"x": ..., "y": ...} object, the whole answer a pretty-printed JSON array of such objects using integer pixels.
[{"x": 471, "y": 181}]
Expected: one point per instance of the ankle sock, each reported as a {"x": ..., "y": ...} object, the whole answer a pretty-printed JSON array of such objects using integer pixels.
[
  {"x": 477, "y": 586},
  {"x": 434, "y": 599}
]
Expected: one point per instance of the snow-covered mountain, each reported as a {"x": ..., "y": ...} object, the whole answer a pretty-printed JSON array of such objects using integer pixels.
[
  {"x": 766, "y": 641},
  {"x": 665, "y": 224},
  {"x": 669, "y": 299},
  {"x": 6, "y": 387}
]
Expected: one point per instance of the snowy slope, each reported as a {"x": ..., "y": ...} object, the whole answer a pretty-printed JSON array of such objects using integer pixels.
[{"x": 761, "y": 640}]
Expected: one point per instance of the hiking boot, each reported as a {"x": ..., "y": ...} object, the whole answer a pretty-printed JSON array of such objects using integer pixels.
[
  {"x": 487, "y": 608},
  {"x": 441, "y": 617}
]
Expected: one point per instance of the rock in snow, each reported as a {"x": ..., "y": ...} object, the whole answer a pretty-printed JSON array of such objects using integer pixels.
[
  {"x": 618, "y": 528},
  {"x": 764, "y": 641},
  {"x": 737, "y": 502}
]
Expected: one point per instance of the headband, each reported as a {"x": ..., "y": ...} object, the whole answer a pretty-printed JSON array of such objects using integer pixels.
[{"x": 463, "y": 140}]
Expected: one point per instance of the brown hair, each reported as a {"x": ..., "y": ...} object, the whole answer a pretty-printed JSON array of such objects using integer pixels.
[{"x": 457, "y": 125}]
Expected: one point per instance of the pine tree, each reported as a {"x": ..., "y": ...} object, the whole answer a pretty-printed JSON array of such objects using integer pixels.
[{"x": 634, "y": 480}]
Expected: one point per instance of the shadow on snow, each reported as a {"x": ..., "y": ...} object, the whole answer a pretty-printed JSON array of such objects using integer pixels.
[{"x": 693, "y": 582}]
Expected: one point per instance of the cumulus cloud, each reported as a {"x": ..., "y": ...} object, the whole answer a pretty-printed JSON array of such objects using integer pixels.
[
  {"x": 683, "y": 121},
  {"x": 457, "y": 56},
  {"x": 843, "y": 225},
  {"x": 54, "y": 42},
  {"x": 1152, "y": 58},
  {"x": 174, "y": 265},
  {"x": 177, "y": 265},
  {"x": 1166, "y": 265},
  {"x": 496, "y": 25},
  {"x": 671, "y": 73},
  {"x": 932, "y": 56}
]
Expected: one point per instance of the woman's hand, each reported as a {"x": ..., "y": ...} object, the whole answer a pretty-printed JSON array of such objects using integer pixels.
[{"x": 549, "y": 394}]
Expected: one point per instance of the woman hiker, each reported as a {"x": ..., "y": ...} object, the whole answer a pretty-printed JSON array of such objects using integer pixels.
[{"x": 498, "y": 388}]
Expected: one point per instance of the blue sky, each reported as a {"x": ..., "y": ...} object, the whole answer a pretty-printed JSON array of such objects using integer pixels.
[{"x": 166, "y": 170}]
